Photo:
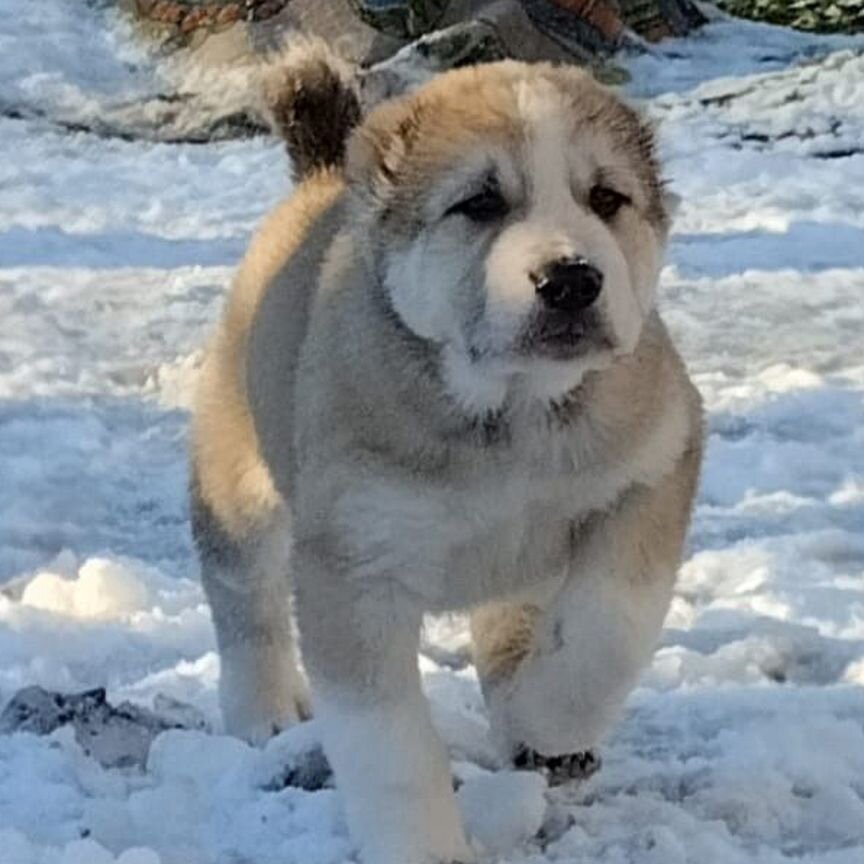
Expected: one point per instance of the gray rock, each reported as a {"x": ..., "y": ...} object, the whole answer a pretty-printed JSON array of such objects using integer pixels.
[
  {"x": 497, "y": 30},
  {"x": 387, "y": 38},
  {"x": 116, "y": 737},
  {"x": 333, "y": 20},
  {"x": 404, "y": 19},
  {"x": 183, "y": 118},
  {"x": 41, "y": 712},
  {"x": 306, "y": 769},
  {"x": 458, "y": 45}
]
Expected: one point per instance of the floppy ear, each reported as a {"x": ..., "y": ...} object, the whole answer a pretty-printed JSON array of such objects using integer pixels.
[{"x": 378, "y": 147}]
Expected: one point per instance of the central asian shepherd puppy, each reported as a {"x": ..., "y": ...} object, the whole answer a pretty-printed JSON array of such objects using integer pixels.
[{"x": 441, "y": 383}]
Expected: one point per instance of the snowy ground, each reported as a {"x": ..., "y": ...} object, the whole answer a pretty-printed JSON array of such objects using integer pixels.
[{"x": 745, "y": 742}]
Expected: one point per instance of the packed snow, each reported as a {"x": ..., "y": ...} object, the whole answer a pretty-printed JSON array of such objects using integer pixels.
[{"x": 745, "y": 740}]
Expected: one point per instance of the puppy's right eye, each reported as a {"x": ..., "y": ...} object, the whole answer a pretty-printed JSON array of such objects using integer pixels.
[
  {"x": 488, "y": 205},
  {"x": 606, "y": 202}
]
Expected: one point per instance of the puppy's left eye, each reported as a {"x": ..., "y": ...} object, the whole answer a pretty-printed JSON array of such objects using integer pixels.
[
  {"x": 606, "y": 202},
  {"x": 488, "y": 205}
]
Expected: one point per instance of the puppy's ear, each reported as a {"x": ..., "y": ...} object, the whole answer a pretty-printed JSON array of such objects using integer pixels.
[{"x": 377, "y": 149}]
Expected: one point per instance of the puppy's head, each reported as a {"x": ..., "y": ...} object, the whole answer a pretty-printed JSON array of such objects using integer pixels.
[{"x": 514, "y": 216}]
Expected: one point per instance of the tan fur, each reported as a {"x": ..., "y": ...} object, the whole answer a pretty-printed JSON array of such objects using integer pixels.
[
  {"x": 502, "y": 634},
  {"x": 234, "y": 481},
  {"x": 468, "y": 106}
]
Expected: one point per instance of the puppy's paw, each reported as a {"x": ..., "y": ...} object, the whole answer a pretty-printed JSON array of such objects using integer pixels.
[
  {"x": 257, "y": 727},
  {"x": 558, "y": 769},
  {"x": 258, "y": 733}
]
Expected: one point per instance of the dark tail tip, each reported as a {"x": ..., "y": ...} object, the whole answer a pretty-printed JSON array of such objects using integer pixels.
[{"x": 310, "y": 95}]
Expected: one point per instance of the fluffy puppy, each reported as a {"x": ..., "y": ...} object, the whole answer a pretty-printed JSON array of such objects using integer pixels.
[{"x": 441, "y": 383}]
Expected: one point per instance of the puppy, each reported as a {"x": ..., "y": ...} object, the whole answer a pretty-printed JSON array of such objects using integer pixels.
[{"x": 441, "y": 383}]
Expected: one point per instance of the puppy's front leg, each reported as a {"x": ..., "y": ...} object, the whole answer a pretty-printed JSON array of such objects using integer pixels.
[
  {"x": 360, "y": 645},
  {"x": 556, "y": 674}
]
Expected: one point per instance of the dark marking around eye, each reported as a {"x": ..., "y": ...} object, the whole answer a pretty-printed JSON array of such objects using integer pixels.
[
  {"x": 607, "y": 202},
  {"x": 487, "y": 205}
]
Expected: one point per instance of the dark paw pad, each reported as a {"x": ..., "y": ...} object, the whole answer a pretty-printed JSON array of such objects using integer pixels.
[{"x": 558, "y": 769}]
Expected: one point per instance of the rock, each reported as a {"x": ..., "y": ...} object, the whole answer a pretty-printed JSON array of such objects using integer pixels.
[
  {"x": 179, "y": 19},
  {"x": 498, "y": 30},
  {"x": 524, "y": 40},
  {"x": 188, "y": 118},
  {"x": 388, "y": 39},
  {"x": 459, "y": 45},
  {"x": 658, "y": 19},
  {"x": 594, "y": 27},
  {"x": 403, "y": 20},
  {"x": 117, "y": 737},
  {"x": 337, "y": 22},
  {"x": 307, "y": 770},
  {"x": 41, "y": 712},
  {"x": 371, "y": 31}
]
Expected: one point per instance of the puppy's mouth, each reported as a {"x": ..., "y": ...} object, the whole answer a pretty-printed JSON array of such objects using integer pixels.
[{"x": 561, "y": 336}]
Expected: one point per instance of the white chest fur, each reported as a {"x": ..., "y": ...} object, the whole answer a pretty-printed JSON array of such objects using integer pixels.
[{"x": 496, "y": 530}]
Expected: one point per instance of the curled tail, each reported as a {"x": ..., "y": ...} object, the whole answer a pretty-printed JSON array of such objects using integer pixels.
[{"x": 311, "y": 98}]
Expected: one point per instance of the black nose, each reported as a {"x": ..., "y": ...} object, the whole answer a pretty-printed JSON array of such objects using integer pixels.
[{"x": 569, "y": 284}]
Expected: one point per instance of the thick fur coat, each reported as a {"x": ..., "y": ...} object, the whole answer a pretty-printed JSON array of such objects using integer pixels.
[{"x": 441, "y": 383}]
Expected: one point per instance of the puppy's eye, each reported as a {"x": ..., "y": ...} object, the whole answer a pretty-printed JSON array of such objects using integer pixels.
[
  {"x": 606, "y": 202},
  {"x": 487, "y": 205}
]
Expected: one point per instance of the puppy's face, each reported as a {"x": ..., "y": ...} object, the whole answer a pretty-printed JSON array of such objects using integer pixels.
[{"x": 514, "y": 216}]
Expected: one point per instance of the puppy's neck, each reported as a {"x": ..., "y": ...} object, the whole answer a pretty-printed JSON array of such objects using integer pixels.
[{"x": 482, "y": 388}]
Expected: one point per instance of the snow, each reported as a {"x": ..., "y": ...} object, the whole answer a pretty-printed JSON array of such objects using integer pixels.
[
  {"x": 503, "y": 810},
  {"x": 745, "y": 740},
  {"x": 102, "y": 589}
]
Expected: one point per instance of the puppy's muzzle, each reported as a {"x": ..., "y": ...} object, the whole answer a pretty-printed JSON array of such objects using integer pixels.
[
  {"x": 568, "y": 285},
  {"x": 567, "y": 322}
]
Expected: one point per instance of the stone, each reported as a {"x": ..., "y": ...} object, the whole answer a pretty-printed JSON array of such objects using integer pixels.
[
  {"x": 367, "y": 32},
  {"x": 116, "y": 737},
  {"x": 387, "y": 39},
  {"x": 657, "y": 19},
  {"x": 495, "y": 31},
  {"x": 404, "y": 19}
]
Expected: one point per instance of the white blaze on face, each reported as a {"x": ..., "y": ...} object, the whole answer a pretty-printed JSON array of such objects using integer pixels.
[
  {"x": 557, "y": 162},
  {"x": 543, "y": 236}
]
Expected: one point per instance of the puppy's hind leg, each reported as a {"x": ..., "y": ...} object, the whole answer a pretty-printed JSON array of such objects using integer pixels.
[{"x": 261, "y": 688}]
